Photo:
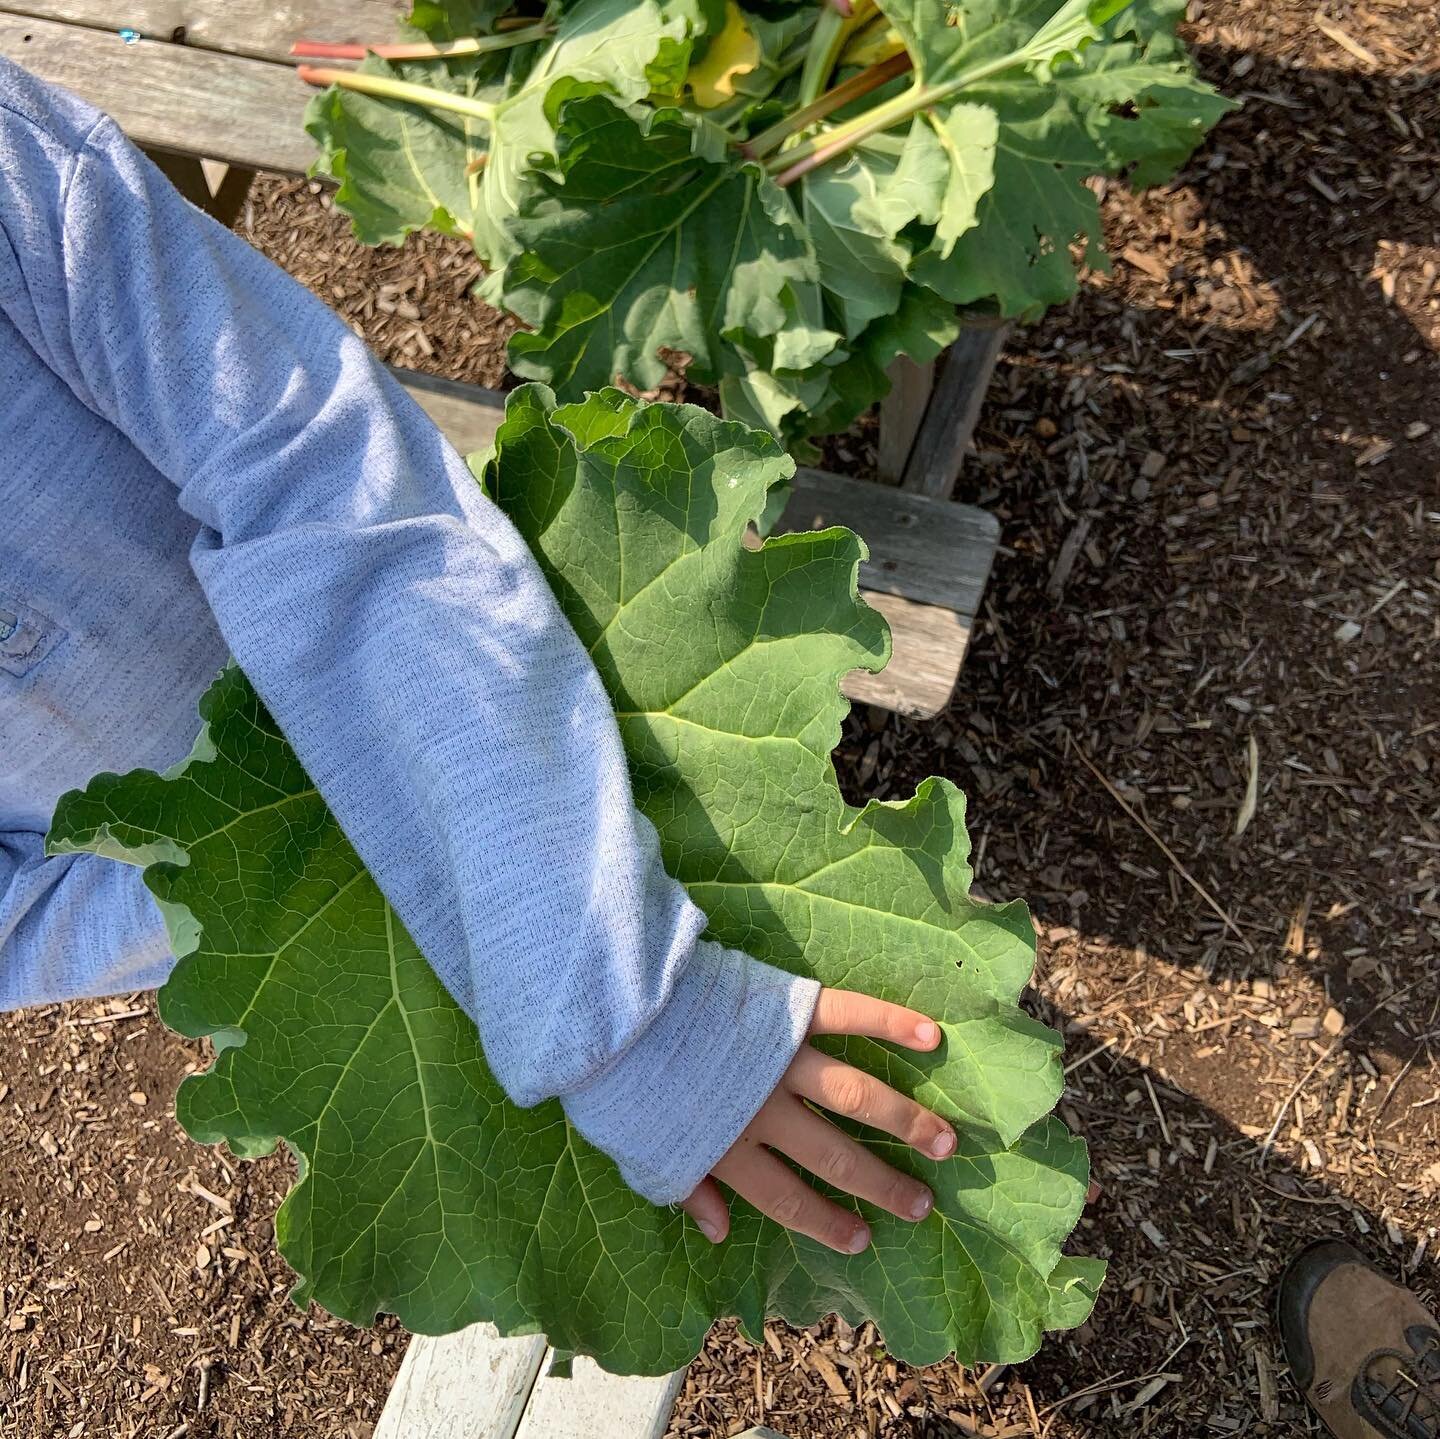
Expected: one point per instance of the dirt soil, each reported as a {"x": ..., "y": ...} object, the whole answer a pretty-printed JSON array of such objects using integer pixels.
[{"x": 1217, "y": 476}]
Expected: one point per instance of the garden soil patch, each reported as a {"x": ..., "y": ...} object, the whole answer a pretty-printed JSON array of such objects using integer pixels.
[{"x": 1218, "y": 475}]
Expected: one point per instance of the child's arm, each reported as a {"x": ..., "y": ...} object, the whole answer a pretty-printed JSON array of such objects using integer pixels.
[
  {"x": 402, "y": 635},
  {"x": 74, "y": 927}
]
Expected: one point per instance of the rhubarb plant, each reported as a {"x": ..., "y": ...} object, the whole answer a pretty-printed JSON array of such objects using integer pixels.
[
  {"x": 421, "y": 1190},
  {"x": 774, "y": 196}
]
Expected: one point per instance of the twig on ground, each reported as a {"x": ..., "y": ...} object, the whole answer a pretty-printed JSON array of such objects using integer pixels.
[
  {"x": 1394, "y": 1085},
  {"x": 1105, "y": 1386},
  {"x": 1160, "y": 843},
  {"x": 1091, "y": 1054},
  {"x": 1155, "y": 1105}
]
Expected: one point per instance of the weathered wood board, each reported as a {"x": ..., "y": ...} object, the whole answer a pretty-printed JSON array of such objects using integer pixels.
[
  {"x": 173, "y": 97},
  {"x": 476, "y": 1385},
  {"x": 592, "y": 1403},
  {"x": 468, "y": 1385},
  {"x": 240, "y": 27},
  {"x": 939, "y": 449},
  {"x": 902, "y": 411}
]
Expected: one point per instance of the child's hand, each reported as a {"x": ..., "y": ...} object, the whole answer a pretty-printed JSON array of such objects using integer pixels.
[{"x": 787, "y": 1124}]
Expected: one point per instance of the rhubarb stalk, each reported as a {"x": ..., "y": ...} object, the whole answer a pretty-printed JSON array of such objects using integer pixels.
[
  {"x": 852, "y": 89},
  {"x": 387, "y": 89},
  {"x": 833, "y": 27},
  {"x": 423, "y": 49}
]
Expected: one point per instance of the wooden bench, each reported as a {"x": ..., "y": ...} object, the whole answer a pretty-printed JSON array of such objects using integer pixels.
[{"x": 212, "y": 78}]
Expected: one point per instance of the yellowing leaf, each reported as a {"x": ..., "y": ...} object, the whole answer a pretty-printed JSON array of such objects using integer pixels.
[
  {"x": 878, "y": 41},
  {"x": 733, "y": 52}
]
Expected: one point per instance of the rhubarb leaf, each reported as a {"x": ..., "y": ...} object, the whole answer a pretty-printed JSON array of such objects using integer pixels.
[
  {"x": 456, "y": 19},
  {"x": 1017, "y": 253},
  {"x": 399, "y": 167},
  {"x": 732, "y": 53},
  {"x": 861, "y": 263},
  {"x": 920, "y": 327},
  {"x": 1040, "y": 97},
  {"x": 421, "y": 1190},
  {"x": 1144, "y": 112},
  {"x": 911, "y": 176},
  {"x": 965, "y": 177},
  {"x": 967, "y": 135},
  {"x": 644, "y": 245},
  {"x": 949, "y": 42}
]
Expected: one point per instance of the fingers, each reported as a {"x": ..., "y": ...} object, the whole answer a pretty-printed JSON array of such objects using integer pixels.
[
  {"x": 707, "y": 1207},
  {"x": 844, "y": 1011},
  {"x": 843, "y": 1089},
  {"x": 756, "y": 1175},
  {"x": 833, "y": 1156}
]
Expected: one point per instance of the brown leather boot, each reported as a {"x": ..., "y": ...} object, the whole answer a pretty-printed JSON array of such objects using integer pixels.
[{"x": 1364, "y": 1351}]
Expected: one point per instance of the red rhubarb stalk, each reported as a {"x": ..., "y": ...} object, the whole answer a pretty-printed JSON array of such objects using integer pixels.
[
  {"x": 421, "y": 49},
  {"x": 852, "y": 89}
]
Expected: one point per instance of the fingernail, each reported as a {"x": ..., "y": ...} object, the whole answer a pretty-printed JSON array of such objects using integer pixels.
[
  {"x": 859, "y": 1240},
  {"x": 942, "y": 1144},
  {"x": 926, "y": 1032},
  {"x": 709, "y": 1230},
  {"x": 921, "y": 1205}
]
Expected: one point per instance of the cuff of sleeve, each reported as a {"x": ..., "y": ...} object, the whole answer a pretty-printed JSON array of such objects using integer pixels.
[{"x": 679, "y": 1097}]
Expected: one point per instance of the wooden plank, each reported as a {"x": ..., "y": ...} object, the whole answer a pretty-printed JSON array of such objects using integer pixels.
[
  {"x": 240, "y": 27},
  {"x": 901, "y": 412},
  {"x": 939, "y": 450},
  {"x": 932, "y": 551},
  {"x": 172, "y": 97},
  {"x": 929, "y": 559},
  {"x": 592, "y": 1404},
  {"x": 467, "y": 414},
  {"x": 928, "y": 644},
  {"x": 470, "y": 1385}
]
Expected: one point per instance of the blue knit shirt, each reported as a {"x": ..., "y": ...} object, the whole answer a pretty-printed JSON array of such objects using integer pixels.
[{"x": 197, "y": 459}]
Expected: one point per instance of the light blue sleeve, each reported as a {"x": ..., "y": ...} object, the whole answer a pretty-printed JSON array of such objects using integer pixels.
[
  {"x": 74, "y": 926},
  {"x": 398, "y": 629}
]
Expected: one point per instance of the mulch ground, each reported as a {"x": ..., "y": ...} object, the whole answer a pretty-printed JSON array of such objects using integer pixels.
[{"x": 1220, "y": 577}]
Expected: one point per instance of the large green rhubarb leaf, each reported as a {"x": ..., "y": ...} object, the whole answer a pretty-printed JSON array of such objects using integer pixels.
[
  {"x": 399, "y": 167},
  {"x": 862, "y": 264},
  {"x": 654, "y": 239},
  {"x": 422, "y": 1191},
  {"x": 952, "y": 44},
  {"x": 1146, "y": 113}
]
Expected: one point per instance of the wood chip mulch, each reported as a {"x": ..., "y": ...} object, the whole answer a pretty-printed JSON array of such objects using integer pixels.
[
  {"x": 1217, "y": 601},
  {"x": 141, "y": 1295}
]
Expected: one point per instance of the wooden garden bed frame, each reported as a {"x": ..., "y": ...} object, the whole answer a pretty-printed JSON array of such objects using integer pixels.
[{"x": 212, "y": 80}]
